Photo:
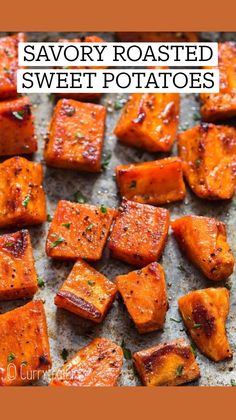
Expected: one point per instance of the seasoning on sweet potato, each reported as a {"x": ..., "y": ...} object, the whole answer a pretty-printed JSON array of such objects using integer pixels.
[
  {"x": 222, "y": 105},
  {"x": 144, "y": 294},
  {"x": 86, "y": 292},
  {"x": 205, "y": 243},
  {"x": 167, "y": 364},
  {"x": 9, "y": 64},
  {"x": 24, "y": 347},
  {"x": 139, "y": 233},
  {"x": 17, "y": 135},
  {"x": 157, "y": 182},
  {"x": 209, "y": 155},
  {"x": 22, "y": 198},
  {"x": 18, "y": 277},
  {"x": 149, "y": 121},
  {"x": 83, "y": 96},
  {"x": 157, "y": 36},
  {"x": 204, "y": 313},
  {"x": 76, "y": 134},
  {"x": 78, "y": 231},
  {"x": 97, "y": 364}
]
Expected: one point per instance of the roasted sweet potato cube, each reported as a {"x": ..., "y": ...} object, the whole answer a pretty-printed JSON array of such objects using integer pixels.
[
  {"x": 149, "y": 121},
  {"x": 18, "y": 277},
  {"x": 9, "y": 64},
  {"x": 139, "y": 233},
  {"x": 97, "y": 364},
  {"x": 222, "y": 105},
  {"x": 17, "y": 134},
  {"x": 157, "y": 182},
  {"x": 209, "y": 155},
  {"x": 167, "y": 364},
  {"x": 76, "y": 134},
  {"x": 144, "y": 294},
  {"x": 22, "y": 198},
  {"x": 205, "y": 243},
  {"x": 204, "y": 313},
  {"x": 24, "y": 347},
  {"x": 86, "y": 292},
  {"x": 157, "y": 36},
  {"x": 78, "y": 231}
]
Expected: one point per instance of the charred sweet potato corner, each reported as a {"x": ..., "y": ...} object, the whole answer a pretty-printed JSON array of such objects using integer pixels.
[
  {"x": 139, "y": 233},
  {"x": 97, "y": 364},
  {"x": 86, "y": 292},
  {"x": 24, "y": 344},
  {"x": 75, "y": 137}
]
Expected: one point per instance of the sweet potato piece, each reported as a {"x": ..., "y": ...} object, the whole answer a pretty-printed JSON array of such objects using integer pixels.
[
  {"x": 222, "y": 105},
  {"x": 205, "y": 243},
  {"x": 149, "y": 121},
  {"x": 76, "y": 136},
  {"x": 139, "y": 233},
  {"x": 18, "y": 277},
  {"x": 17, "y": 134},
  {"x": 157, "y": 36},
  {"x": 24, "y": 347},
  {"x": 204, "y": 313},
  {"x": 97, "y": 364},
  {"x": 86, "y": 292},
  {"x": 22, "y": 199},
  {"x": 78, "y": 231},
  {"x": 157, "y": 182},
  {"x": 167, "y": 364},
  {"x": 144, "y": 294},
  {"x": 83, "y": 96},
  {"x": 9, "y": 64},
  {"x": 209, "y": 156}
]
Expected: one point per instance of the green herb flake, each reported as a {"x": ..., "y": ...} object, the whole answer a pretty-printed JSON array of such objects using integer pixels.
[
  {"x": 24, "y": 363},
  {"x": 106, "y": 160},
  {"x": 66, "y": 225},
  {"x": 197, "y": 326},
  {"x": 57, "y": 242},
  {"x": 133, "y": 184},
  {"x": 179, "y": 370},
  {"x": 19, "y": 115},
  {"x": 233, "y": 382},
  {"x": 198, "y": 163},
  {"x": 89, "y": 227},
  {"x": 80, "y": 198},
  {"x": 11, "y": 357},
  {"x": 175, "y": 320},
  {"x": 103, "y": 209},
  {"x": 196, "y": 116},
  {"x": 126, "y": 351},
  {"x": 64, "y": 354},
  {"x": 118, "y": 105},
  {"x": 41, "y": 282},
  {"x": 193, "y": 349},
  {"x": 49, "y": 218},
  {"x": 26, "y": 201},
  {"x": 91, "y": 282},
  {"x": 9, "y": 244}
]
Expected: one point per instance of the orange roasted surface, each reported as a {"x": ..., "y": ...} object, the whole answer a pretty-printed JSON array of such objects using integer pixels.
[
  {"x": 97, "y": 364},
  {"x": 167, "y": 364},
  {"x": 22, "y": 198},
  {"x": 86, "y": 292},
  {"x": 78, "y": 231},
  {"x": 205, "y": 243},
  {"x": 17, "y": 135},
  {"x": 157, "y": 182},
  {"x": 204, "y": 313},
  {"x": 149, "y": 121},
  {"x": 218, "y": 106},
  {"x": 83, "y": 96},
  {"x": 24, "y": 345},
  {"x": 208, "y": 152},
  {"x": 144, "y": 294},
  {"x": 18, "y": 278},
  {"x": 157, "y": 36},
  {"x": 9, "y": 64},
  {"x": 139, "y": 233},
  {"x": 75, "y": 138}
]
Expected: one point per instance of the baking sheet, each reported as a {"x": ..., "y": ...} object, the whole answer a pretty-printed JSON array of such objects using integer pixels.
[{"x": 71, "y": 332}]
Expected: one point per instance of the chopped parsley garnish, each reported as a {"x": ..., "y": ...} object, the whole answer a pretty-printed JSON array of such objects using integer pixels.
[
  {"x": 64, "y": 354},
  {"x": 126, "y": 351},
  {"x": 233, "y": 382},
  {"x": 91, "y": 282},
  {"x": 198, "y": 162},
  {"x": 80, "y": 198},
  {"x": 66, "y": 225},
  {"x": 196, "y": 116},
  {"x": 133, "y": 184},
  {"x": 11, "y": 357},
  {"x": 179, "y": 370},
  {"x": 118, "y": 105},
  {"x": 57, "y": 242},
  {"x": 175, "y": 320},
  {"x": 26, "y": 201},
  {"x": 106, "y": 160},
  {"x": 89, "y": 227},
  {"x": 49, "y": 218},
  {"x": 103, "y": 209},
  {"x": 41, "y": 282},
  {"x": 194, "y": 349},
  {"x": 196, "y": 326},
  {"x": 19, "y": 115},
  {"x": 9, "y": 244}
]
